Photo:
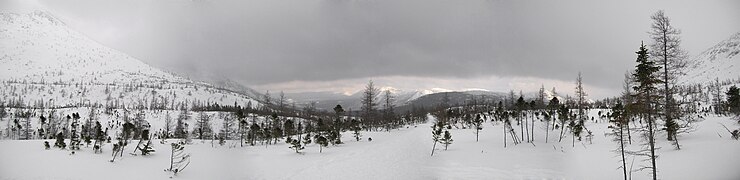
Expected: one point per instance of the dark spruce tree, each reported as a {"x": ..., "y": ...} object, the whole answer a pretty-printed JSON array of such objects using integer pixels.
[
  {"x": 437, "y": 134},
  {"x": 478, "y": 125},
  {"x": 733, "y": 101},
  {"x": 322, "y": 142},
  {"x": 646, "y": 99},
  {"x": 446, "y": 139},
  {"x": 355, "y": 127}
]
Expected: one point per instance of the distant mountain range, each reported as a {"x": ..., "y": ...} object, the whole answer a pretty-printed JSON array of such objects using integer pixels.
[{"x": 404, "y": 100}]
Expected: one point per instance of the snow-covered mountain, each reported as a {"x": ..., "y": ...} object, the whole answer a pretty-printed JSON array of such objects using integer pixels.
[
  {"x": 43, "y": 62},
  {"x": 720, "y": 61}
]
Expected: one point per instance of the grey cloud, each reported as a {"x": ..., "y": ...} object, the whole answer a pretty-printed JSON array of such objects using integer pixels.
[{"x": 263, "y": 42}]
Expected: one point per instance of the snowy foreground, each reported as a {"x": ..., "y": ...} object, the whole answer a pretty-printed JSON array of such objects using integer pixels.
[{"x": 399, "y": 154}]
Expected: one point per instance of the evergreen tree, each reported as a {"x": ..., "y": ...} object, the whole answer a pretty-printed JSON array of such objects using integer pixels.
[
  {"x": 254, "y": 131},
  {"x": 336, "y": 129},
  {"x": 478, "y": 124},
  {"x": 3, "y": 112},
  {"x": 276, "y": 131},
  {"x": 446, "y": 139},
  {"x": 60, "y": 141},
  {"x": 354, "y": 126},
  {"x": 437, "y": 134},
  {"x": 322, "y": 142},
  {"x": 203, "y": 126},
  {"x": 127, "y": 132},
  {"x": 289, "y": 128},
  {"x": 74, "y": 141},
  {"x": 242, "y": 127},
  {"x": 99, "y": 137},
  {"x": 85, "y": 135},
  {"x": 733, "y": 101},
  {"x": 646, "y": 79},
  {"x": 307, "y": 139},
  {"x": 181, "y": 126},
  {"x": 582, "y": 107},
  {"x": 295, "y": 144},
  {"x": 521, "y": 105}
]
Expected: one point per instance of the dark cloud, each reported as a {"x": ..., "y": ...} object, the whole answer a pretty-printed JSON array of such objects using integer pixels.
[{"x": 261, "y": 42}]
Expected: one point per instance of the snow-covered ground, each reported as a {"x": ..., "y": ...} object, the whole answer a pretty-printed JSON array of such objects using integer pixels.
[{"x": 398, "y": 154}]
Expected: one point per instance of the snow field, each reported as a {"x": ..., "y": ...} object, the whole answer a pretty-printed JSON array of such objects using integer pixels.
[{"x": 398, "y": 154}]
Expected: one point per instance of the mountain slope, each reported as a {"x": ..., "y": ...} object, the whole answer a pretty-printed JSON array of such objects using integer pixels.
[
  {"x": 45, "y": 63},
  {"x": 720, "y": 61}
]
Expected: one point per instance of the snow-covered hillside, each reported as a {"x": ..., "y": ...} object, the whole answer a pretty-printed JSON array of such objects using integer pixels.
[
  {"x": 720, "y": 61},
  {"x": 43, "y": 62}
]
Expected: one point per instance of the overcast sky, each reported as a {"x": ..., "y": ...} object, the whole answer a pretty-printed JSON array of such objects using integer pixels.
[{"x": 337, "y": 45}]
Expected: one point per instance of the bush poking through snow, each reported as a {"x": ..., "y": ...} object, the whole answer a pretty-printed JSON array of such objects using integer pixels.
[
  {"x": 447, "y": 139},
  {"x": 322, "y": 141},
  {"x": 178, "y": 159}
]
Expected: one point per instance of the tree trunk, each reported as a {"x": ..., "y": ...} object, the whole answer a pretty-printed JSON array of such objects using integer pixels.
[
  {"x": 562, "y": 127},
  {"x": 435, "y": 146},
  {"x": 574, "y": 140},
  {"x": 504, "y": 129},
  {"x": 547, "y": 131},
  {"x": 629, "y": 134},
  {"x": 651, "y": 140},
  {"x": 525, "y": 121},
  {"x": 621, "y": 146},
  {"x": 521, "y": 123},
  {"x": 532, "y": 130}
]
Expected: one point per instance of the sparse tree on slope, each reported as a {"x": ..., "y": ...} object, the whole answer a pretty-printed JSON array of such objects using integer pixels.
[
  {"x": 169, "y": 125},
  {"x": 203, "y": 126},
  {"x": 181, "y": 130},
  {"x": 389, "y": 115},
  {"x": 369, "y": 103},
  {"x": 666, "y": 50},
  {"x": 227, "y": 127}
]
